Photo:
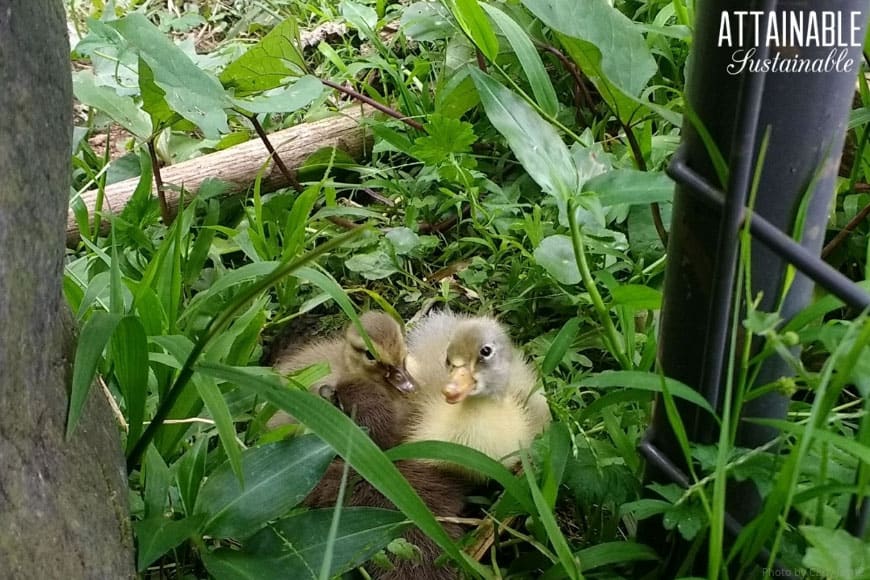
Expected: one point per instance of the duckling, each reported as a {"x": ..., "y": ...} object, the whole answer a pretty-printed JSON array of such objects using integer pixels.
[
  {"x": 383, "y": 410},
  {"x": 442, "y": 492},
  {"x": 476, "y": 388},
  {"x": 349, "y": 359}
]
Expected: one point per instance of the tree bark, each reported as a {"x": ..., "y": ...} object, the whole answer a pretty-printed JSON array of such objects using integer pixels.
[
  {"x": 240, "y": 165},
  {"x": 63, "y": 506}
]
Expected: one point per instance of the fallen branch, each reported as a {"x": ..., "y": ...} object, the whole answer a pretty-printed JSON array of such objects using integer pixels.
[{"x": 239, "y": 165}]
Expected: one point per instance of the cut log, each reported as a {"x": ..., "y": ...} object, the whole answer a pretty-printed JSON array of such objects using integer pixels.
[{"x": 240, "y": 165}]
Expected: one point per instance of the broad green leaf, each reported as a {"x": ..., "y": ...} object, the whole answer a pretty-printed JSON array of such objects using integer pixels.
[
  {"x": 92, "y": 341},
  {"x": 404, "y": 240},
  {"x": 157, "y": 481},
  {"x": 362, "y": 17},
  {"x": 294, "y": 547},
  {"x": 153, "y": 99},
  {"x": 277, "y": 477},
  {"x": 468, "y": 458},
  {"x": 530, "y": 60},
  {"x": 610, "y": 553},
  {"x": 372, "y": 266},
  {"x": 287, "y": 99},
  {"x": 426, "y": 21},
  {"x": 536, "y": 144},
  {"x": 625, "y": 59},
  {"x": 190, "y": 91},
  {"x": 157, "y": 535},
  {"x": 130, "y": 357},
  {"x": 352, "y": 444},
  {"x": 189, "y": 471},
  {"x": 122, "y": 110},
  {"x": 628, "y": 186},
  {"x": 556, "y": 255},
  {"x": 836, "y": 554},
  {"x": 217, "y": 407},
  {"x": 636, "y": 296},
  {"x": 563, "y": 341},
  {"x": 267, "y": 64},
  {"x": 474, "y": 23},
  {"x": 646, "y": 382}
]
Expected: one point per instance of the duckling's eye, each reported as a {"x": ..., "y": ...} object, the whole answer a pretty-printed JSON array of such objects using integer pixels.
[
  {"x": 486, "y": 351},
  {"x": 370, "y": 356}
]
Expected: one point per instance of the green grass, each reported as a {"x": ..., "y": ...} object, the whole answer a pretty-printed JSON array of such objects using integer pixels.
[{"x": 499, "y": 185}]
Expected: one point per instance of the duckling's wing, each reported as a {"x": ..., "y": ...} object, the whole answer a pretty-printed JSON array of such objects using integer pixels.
[
  {"x": 524, "y": 385},
  {"x": 329, "y": 351}
]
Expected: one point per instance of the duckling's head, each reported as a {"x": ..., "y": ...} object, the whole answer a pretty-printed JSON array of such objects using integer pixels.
[
  {"x": 479, "y": 359},
  {"x": 389, "y": 341}
]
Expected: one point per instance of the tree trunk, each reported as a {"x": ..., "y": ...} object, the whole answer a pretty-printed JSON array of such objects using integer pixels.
[{"x": 63, "y": 504}]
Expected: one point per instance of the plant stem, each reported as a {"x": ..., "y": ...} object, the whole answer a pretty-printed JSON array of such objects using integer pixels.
[
  {"x": 158, "y": 182},
  {"x": 611, "y": 336},
  {"x": 369, "y": 101},
  {"x": 215, "y": 327}
]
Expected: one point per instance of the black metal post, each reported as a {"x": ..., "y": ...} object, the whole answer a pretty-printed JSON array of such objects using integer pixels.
[{"x": 805, "y": 116}]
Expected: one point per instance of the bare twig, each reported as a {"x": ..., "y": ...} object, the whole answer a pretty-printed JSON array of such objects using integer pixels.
[
  {"x": 158, "y": 182},
  {"x": 373, "y": 103},
  {"x": 846, "y": 231},
  {"x": 282, "y": 167},
  {"x": 641, "y": 164}
]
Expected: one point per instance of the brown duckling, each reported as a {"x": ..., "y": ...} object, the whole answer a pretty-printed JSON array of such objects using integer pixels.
[
  {"x": 442, "y": 492},
  {"x": 383, "y": 410},
  {"x": 350, "y": 360},
  {"x": 476, "y": 387}
]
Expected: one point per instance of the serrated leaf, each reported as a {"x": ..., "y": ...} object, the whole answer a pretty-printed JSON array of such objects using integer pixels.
[
  {"x": 268, "y": 63},
  {"x": 277, "y": 477},
  {"x": 446, "y": 137},
  {"x": 286, "y": 100},
  {"x": 556, "y": 255},
  {"x": 190, "y": 91},
  {"x": 121, "y": 109},
  {"x": 536, "y": 144}
]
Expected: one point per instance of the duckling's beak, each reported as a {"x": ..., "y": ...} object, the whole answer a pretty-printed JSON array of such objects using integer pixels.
[
  {"x": 400, "y": 379},
  {"x": 461, "y": 384}
]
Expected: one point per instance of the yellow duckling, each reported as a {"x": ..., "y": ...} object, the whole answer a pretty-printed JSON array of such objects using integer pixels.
[{"x": 476, "y": 388}]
